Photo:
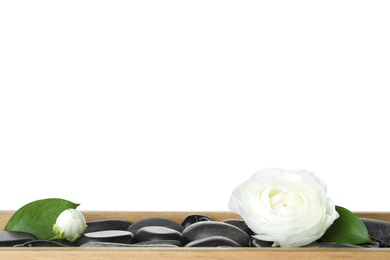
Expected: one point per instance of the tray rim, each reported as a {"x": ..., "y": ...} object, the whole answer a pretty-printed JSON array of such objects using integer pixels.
[{"x": 188, "y": 253}]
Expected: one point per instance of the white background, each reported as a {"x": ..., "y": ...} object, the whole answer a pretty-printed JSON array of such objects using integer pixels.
[{"x": 169, "y": 105}]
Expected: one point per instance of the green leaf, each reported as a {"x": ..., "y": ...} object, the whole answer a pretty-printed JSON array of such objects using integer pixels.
[
  {"x": 38, "y": 217},
  {"x": 347, "y": 229}
]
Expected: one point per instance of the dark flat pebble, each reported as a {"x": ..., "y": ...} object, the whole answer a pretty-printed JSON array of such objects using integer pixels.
[
  {"x": 194, "y": 218},
  {"x": 107, "y": 224},
  {"x": 161, "y": 222},
  {"x": 240, "y": 224},
  {"x": 41, "y": 243},
  {"x": 151, "y": 233},
  {"x": 104, "y": 244},
  {"x": 114, "y": 236},
  {"x": 213, "y": 228},
  {"x": 154, "y": 245},
  {"x": 11, "y": 238},
  {"x": 259, "y": 243},
  {"x": 379, "y": 230},
  {"x": 109, "y": 244},
  {"x": 65, "y": 242},
  {"x": 213, "y": 241},
  {"x": 160, "y": 242}
]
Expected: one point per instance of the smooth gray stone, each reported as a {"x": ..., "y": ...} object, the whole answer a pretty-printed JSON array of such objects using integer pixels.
[
  {"x": 161, "y": 222},
  {"x": 213, "y": 241},
  {"x": 41, "y": 243},
  {"x": 194, "y": 218},
  {"x": 378, "y": 230},
  {"x": 154, "y": 245},
  {"x": 11, "y": 238},
  {"x": 65, "y": 242},
  {"x": 213, "y": 228},
  {"x": 104, "y": 244},
  {"x": 240, "y": 224},
  {"x": 259, "y": 243},
  {"x": 160, "y": 242},
  {"x": 151, "y": 233},
  {"x": 107, "y": 224},
  {"x": 109, "y": 244},
  {"x": 113, "y": 236}
]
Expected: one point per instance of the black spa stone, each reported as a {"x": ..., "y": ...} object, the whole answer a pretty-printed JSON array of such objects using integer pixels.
[
  {"x": 240, "y": 224},
  {"x": 109, "y": 244},
  {"x": 194, "y": 218},
  {"x": 254, "y": 242},
  {"x": 41, "y": 243},
  {"x": 151, "y": 233},
  {"x": 213, "y": 228},
  {"x": 11, "y": 238},
  {"x": 65, "y": 242},
  {"x": 161, "y": 222},
  {"x": 378, "y": 230},
  {"x": 154, "y": 245},
  {"x": 107, "y": 224},
  {"x": 159, "y": 242},
  {"x": 213, "y": 241},
  {"x": 114, "y": 236},
  {"x": 104, "y": 244}
]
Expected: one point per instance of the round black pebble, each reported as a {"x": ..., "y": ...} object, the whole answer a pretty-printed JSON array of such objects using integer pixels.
[
  {"x": 379, "y": 230},
  {"x": 41, "y": 243},
  {"x": 11, "y": 238},
  {"x": 240, "y": 224},
  {"x": 151, "y": 233},
  {"x": 108, "y": 224},
  {"x": 194, "y": 218},
  {"x": 114, "y": 236},
  {"x": 213, "y": 241},
  {"x": 159, "y": 242},
  {"x": 161, "y": 222},
  {"x": 213, "y": 228},
  {"x": 259, "y": 243}
]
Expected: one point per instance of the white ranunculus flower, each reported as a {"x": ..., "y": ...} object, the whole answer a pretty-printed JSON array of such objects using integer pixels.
[
  {"x": 288, "y": 207},
  {"x": 70, "y": 225}
]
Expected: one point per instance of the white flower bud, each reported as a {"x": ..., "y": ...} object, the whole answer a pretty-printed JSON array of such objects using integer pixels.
[{"x": 70, "y": 225}]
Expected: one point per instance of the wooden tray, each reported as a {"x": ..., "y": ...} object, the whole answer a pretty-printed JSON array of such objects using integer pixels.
[{"x": 188, "y": 253}]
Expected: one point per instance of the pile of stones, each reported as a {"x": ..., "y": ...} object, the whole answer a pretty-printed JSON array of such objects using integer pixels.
[{"x": 195, "y": 231}]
